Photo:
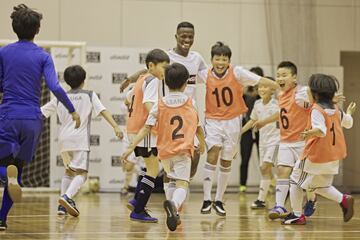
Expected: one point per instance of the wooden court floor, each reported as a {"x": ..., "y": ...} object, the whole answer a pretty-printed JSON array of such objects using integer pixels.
[{"x": 104, "y": 216}]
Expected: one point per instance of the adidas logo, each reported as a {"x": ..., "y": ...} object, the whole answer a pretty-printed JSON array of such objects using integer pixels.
[
  {"x": 278, "y": 190},
  {"x": 207, "y": 179},
  {"x": 142, "y": 191}
]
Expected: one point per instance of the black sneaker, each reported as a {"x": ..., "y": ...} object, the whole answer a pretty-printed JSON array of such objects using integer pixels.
[
  {"x": 292, "y": 219},
  {"x": 347, "y": 206},
  {"x": 61, "y": 210},
  {"x": 219, "y": 208},
  {"x": 172, "y": 217},
  {"x": 258, "y": 205},
  {"x": 3, "y": 225},
  {"x": 206, "y": 207},
  {"x": 69, "y": 205}
]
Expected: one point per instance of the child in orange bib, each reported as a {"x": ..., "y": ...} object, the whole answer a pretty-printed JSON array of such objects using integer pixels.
[
  {"x": 325, "y": 147},
  {"x": 178, "y": 122},
  {"x": 223, "y": 117}
]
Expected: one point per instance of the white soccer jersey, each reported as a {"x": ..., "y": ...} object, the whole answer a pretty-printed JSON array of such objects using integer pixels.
[
  {"x": 194, "y": 63},
  {"x": 85, "y": 102},
  {"x": 270, "y": 133}
]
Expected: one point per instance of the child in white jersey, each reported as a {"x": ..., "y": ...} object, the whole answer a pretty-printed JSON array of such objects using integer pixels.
[
  {"x": 269, "y": 140},
  {"x": 75, "y": 143}
]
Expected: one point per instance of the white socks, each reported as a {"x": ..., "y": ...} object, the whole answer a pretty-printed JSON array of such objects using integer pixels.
[
  {"x": 223, "y": 178},
  {"x": 65, "y": 182},
  {"x": 169, "y": 192},
  {"x": 179, "y": 197},
  {"x": 75, "y": 185},
  {"x": 296, "y": 199},
  {"x": 209, "y": 171},
  {"x": 263, "y": 189},
  {"x": 330, "y": 193},
  {"x": 282, "y": 188}
]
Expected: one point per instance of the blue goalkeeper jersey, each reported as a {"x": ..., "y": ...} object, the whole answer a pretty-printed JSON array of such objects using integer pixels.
[{"x": 22, "y": 65}]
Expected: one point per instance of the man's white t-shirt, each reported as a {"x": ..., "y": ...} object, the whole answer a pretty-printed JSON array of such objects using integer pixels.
[
  {"x": 85, "y": 102},
  {"x": 270, "y": 133},
  {"x": 194, "y": 63}
]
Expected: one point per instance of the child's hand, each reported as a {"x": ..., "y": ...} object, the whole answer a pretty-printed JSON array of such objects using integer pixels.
[
  {"x": 75, "y": 116},
  {"x": 305, "y": 134},
  {"x": 118, "y": 132},
  {"x": 125, "y": 155},
  {"x": 257, "y": 125},
  {"x": 351, "y": 108},
  {"x": 339, "y": 98},
  {"x": 201, "y": 148}
]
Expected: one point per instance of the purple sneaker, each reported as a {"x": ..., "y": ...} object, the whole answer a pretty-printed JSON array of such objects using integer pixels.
[
  {"x": 143, "y": 216},
  {"x": 131, "y": 204}
]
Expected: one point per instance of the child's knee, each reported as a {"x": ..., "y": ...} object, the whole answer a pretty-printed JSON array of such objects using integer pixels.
[
  {"x": 182, "y": 184},
  {"x": 225, "y": 163}
]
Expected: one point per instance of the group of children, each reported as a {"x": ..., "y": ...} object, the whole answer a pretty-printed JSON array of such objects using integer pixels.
[{"x": 300, "y": 129}]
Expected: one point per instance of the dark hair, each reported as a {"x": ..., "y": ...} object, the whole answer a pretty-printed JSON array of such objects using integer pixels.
[
  {"x": 25, "y": 22},
  {"x": 271, "y": 78},
  {"x": 257, "y": 70},
  {"x": 176, "y": 75},
  {"x": 220, "y": 49},
  {"x": 291, "y": 66},
  {"x": 323, "y": 88},
  {"x": 156, "y": 56},
  {"x": 185, "y": 25},
  {"x": 74, "y": 76}
]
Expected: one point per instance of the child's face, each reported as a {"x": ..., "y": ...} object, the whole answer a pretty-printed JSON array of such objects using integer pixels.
[
  {"x": 265, "y": 91},
  {"x": 220, "y": 64},
  {"x": 158, "y": 70},
  {"x": 285, "y": 79}
]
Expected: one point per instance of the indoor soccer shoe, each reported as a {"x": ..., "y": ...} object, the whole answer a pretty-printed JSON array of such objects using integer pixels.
[
  {"x": 131, "y": 204},
  {"x": 309, "y": 208},
  {"x": 3, "y": 225},
  {"x": 172, "y": 217},
  {"x": 219, "y": 208},
  {"x": 258, "y": 205},
  {"x": 292, "y": 219},
  {"x": 61, "y": 210},
  {"x": 143, "y": 216},
  {"x": 206, "y": 207},
  {"x": 347, "y": 206},
  {"x": 69, "y": 205},
  {"x": 278, "y": 212},
  {"x": 13, "y": 184}
]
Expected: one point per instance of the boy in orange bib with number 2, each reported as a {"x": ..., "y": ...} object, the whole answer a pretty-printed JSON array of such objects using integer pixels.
[{"x": 178, "y": 123}]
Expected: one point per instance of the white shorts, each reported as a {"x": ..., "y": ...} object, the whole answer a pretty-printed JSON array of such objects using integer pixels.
[
  {"x": 76, "y": 160},
  {"x": 289, "y": 155},
  {"x": 178, "y": 167},
  {"x": 225, "y": 134},
  {"x": 148, "y": 142},
  {"x": 309, "y": 181},
  {"x": 269, "y": 154}
]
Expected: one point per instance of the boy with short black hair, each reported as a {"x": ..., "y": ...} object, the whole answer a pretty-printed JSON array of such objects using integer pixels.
[
  {"x": 178, "y": 123},
  {"x": 223, "y": 116},
  {"x": 324, "y": 149},
  {"x": 75, "y": 144},
  {"x": 22, "y": 65}
]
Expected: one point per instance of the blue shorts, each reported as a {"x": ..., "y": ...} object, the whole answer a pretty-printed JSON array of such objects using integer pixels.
[{"x": 19, "y": 138}]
